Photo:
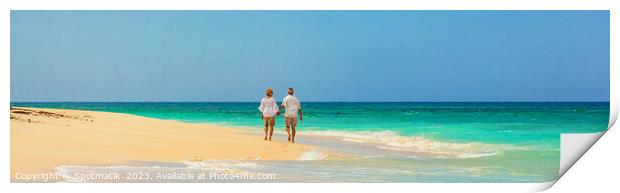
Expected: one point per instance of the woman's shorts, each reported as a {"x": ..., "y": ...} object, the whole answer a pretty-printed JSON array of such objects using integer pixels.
[{"x": 269, "y": 120}]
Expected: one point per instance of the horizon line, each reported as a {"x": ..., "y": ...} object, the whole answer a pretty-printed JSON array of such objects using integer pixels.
[{"x": 525, "y": 101}]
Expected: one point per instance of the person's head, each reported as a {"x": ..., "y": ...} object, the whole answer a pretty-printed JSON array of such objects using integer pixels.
[
  {"x": 291, "y": 91},
  {"x": 269, "y": 92}
]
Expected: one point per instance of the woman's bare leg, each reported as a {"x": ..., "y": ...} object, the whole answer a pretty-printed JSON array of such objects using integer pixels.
[
  {"x": 270, "y": 132},
  {"x": 266, "y": 128}
]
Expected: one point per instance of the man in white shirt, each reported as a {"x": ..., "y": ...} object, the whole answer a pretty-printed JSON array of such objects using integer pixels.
[{"x": 293, "y": 107}]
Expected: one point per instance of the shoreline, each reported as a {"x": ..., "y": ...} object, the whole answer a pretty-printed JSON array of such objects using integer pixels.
[{"x": 43, "y": 138}]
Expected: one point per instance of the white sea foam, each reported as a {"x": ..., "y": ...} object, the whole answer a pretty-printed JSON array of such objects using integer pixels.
[
  {"x": 437, "y": 149},
  {"x": 165, "y": 172},
  {"x": 221, "y": 165},
  {"x": 312, "y": 155}
]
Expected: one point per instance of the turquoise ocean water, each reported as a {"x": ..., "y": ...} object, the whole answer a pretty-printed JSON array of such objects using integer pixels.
[{"x": 398, "y": 141}]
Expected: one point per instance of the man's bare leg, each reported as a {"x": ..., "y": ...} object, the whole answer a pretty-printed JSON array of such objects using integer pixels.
[
  {"x": 293, "y": 132},
  {"x": 288, "y": 131}
]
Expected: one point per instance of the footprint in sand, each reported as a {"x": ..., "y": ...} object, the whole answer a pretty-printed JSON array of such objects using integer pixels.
[{"x": 196, "y": 158}]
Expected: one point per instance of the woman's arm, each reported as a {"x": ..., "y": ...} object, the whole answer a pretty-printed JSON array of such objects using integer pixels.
[
  {"x": 261, "y": 108},
  {"x": 275, "y": 106}
]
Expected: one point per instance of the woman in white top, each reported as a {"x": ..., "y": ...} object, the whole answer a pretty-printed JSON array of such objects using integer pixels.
[{"x": 269, "y": 110}]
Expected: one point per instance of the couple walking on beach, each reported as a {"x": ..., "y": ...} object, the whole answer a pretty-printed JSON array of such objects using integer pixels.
[{"x": 269, "y": 110}]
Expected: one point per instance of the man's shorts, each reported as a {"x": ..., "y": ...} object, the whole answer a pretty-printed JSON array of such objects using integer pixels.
[
  {"x": 269, "y": 120},
  {"x": 290, "y": 121}
]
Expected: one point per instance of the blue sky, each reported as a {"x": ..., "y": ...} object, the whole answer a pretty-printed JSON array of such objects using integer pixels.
[{"x": 325, "y": 55}]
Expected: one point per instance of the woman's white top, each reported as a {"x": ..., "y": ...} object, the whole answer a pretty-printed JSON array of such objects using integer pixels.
[{"x": 268, "y": 107}]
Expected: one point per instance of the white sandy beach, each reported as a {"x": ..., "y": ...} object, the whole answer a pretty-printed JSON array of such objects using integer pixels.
[{"x": 42, "y": 139}]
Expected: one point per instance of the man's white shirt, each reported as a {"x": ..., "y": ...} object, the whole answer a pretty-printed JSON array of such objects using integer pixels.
[{"x": 292, "y": 105}]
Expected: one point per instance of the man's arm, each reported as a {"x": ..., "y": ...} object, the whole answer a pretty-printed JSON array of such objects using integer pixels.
[
  {"x": 301, "y": 117},
  {"x": 282, "y": 104}
]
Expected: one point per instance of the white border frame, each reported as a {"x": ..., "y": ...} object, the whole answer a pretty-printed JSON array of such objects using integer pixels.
[{"x": 286, "y": 5}]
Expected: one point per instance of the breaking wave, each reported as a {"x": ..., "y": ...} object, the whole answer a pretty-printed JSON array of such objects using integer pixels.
[
  {"x": 312, "y": 155},
  {"x": 429, "y": 148}
]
